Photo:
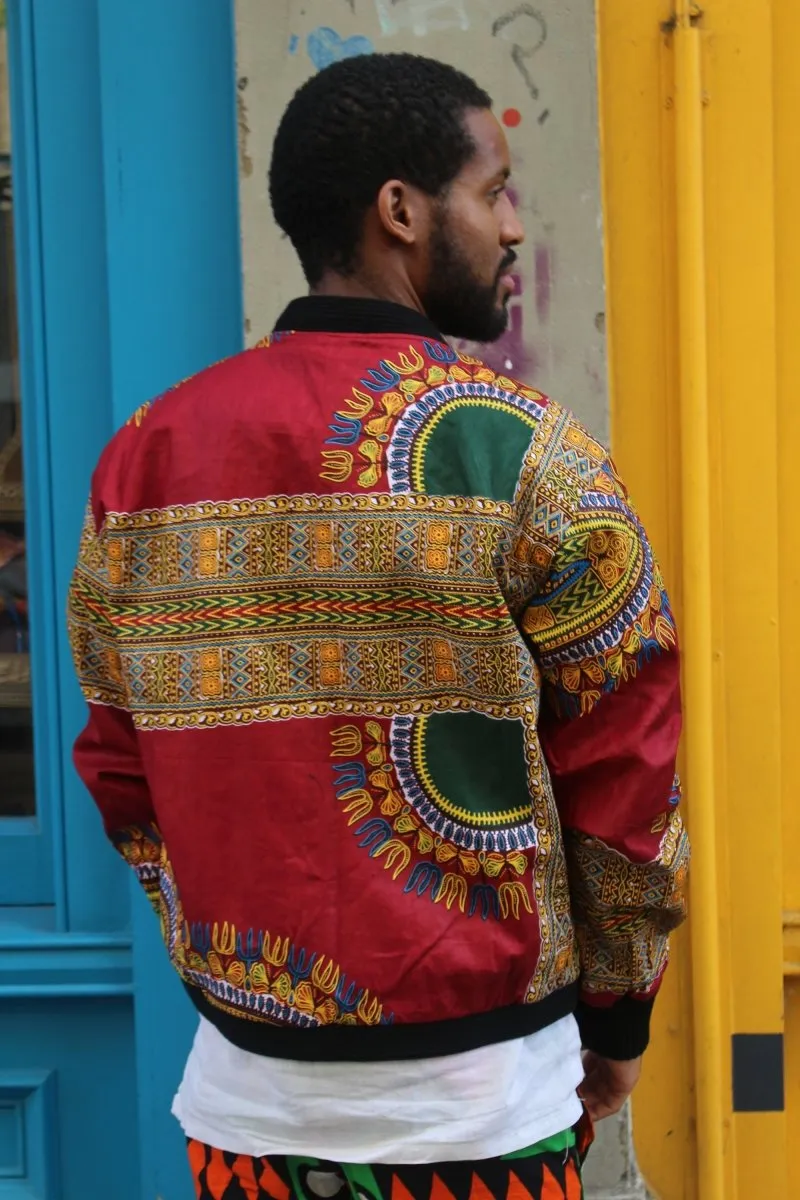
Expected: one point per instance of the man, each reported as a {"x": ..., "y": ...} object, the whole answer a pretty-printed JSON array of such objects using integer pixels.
[{"x": 384, "y": 697}]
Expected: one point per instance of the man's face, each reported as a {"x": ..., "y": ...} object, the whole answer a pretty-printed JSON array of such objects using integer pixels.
[{"x": 473, "y": 232}]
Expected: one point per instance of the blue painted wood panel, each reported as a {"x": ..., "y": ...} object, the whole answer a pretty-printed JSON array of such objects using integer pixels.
[
  {"x": 69, "y": 387},
  {"x": 81, "y": 1134},
  {"x": 175, "y": 305},
  {"x": 27, "y": 861}
]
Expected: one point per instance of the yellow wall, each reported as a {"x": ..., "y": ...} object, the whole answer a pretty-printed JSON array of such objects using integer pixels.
[{"x": 702, "y": 202}]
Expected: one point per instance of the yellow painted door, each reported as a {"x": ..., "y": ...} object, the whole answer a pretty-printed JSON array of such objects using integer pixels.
[{"x": 700, "y": 113}]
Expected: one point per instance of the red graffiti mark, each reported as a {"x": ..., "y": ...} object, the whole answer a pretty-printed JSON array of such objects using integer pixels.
[
  {"x": 512, "y": 117},
  {"x": 543, "y": 261}
]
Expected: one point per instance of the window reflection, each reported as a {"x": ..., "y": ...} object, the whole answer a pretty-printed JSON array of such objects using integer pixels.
[{"x": 16, "y": 734}]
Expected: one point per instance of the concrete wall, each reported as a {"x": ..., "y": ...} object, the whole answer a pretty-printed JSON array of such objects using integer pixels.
[{"x": 538, "y": 62}]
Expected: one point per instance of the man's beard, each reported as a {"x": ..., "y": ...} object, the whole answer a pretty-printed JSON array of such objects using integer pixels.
[{"x": 458, "y": 303}]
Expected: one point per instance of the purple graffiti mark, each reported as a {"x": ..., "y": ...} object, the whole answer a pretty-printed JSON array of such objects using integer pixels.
[
  {"x": 521, "y": 54},
  {"x": 543, "y": 266}
]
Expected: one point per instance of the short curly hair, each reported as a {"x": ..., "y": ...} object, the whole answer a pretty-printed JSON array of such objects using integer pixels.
[{"x": 347, "y": 130}]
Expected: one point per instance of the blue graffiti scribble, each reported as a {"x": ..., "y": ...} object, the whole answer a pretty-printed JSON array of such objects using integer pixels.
[
  {"x": 294, "y": 42},
  {"x": 326, "y": 46}
]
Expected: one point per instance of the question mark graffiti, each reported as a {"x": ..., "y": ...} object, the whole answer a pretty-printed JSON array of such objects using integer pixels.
[{"x": 520, "y": 54}]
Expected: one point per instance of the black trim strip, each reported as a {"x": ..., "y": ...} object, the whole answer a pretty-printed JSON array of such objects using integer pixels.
[
  {"x": 757, "y": 1072},
  {"x": 385, "y": 1043},
  {"x": 354, "y": 314}
]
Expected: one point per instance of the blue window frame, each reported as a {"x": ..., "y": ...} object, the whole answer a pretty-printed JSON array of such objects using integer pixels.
[
  {"x": 26, "y": 829},
  {"x": 128, "y": 278}
]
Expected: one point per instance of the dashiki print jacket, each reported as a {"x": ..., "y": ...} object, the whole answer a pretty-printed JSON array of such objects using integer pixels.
[{"x": 384, "y": 698}]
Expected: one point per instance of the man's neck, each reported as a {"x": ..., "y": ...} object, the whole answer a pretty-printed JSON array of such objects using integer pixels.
[{"x": 360, "y": 288}]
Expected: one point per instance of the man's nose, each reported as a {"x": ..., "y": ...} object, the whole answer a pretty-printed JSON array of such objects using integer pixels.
[{"x": 512, "y": 231}]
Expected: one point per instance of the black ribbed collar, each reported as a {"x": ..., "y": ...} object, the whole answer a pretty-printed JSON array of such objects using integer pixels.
[{"x": 352, "y": 314}]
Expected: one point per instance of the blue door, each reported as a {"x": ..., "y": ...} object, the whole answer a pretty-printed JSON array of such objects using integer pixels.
[{"x": 119, "y": 274}]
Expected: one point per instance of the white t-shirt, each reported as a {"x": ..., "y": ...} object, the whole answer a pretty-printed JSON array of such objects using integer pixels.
[{"x": 480, "y": 1104}]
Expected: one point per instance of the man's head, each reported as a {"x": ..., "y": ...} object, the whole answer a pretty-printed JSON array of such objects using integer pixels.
[{"x": 389, "y": 176}]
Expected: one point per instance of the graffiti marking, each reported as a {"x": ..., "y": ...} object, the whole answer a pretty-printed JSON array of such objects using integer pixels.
[
  {"x": 421, "y": 16},
  {"x": 326, "y": 46},
  {"x": 245, "y": 158},
  {"x": 521, "y": 54}
]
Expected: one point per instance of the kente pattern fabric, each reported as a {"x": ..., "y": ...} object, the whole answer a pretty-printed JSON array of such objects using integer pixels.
[
  {"x": 548, "y": 1171},
  {"x": 384, "y": 702}
]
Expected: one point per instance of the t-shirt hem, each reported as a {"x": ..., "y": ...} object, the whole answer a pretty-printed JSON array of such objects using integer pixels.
[{"x": 549, "y": 1124}]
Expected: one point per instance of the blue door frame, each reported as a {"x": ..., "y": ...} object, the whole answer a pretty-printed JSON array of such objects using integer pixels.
[{"x": 129, "y": 278}]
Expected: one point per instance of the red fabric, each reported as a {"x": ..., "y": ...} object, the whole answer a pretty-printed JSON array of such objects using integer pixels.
[
  {"x": 613, "y": 768},
  {"x": 256, "y": 840}
]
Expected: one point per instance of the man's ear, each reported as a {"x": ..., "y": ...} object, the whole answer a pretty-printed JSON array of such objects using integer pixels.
[{"x": 402, "y": 211}]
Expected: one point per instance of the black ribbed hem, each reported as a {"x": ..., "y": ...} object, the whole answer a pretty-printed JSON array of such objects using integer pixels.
[
  {"x": 385, "y": 1043},
  {"x": 620, "y": 1032}
]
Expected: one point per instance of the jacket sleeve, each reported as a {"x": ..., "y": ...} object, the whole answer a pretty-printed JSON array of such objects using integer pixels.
[
  {"x": 106, "y": 753},
  {"x": 599, "y": 622}
]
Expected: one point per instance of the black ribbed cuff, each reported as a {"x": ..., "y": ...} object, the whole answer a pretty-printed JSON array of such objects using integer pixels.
[{"x": 620, "y": 1032}]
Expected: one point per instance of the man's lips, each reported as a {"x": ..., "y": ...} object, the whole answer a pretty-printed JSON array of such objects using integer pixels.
[{"x": 504, "y": 277}]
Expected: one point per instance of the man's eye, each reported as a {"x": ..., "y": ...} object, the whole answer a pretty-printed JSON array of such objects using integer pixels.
[{"x": 497, "y": 192}]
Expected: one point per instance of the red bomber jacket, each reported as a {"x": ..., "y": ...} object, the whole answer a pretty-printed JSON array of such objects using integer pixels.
[{"x": 383, "y": 698}]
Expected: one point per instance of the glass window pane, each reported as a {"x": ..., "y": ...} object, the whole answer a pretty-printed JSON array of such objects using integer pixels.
[{"x": 16, "y": 734}]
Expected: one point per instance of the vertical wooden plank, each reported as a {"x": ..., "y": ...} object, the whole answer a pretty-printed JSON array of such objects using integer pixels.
[
  {"x": 76, "y": 379},
  {"x": 638, "y": 171},
  {"x": 27, "y": 860},
  {"x": 786, "y": 77},
  {"x": 174, "y": 293},
  {"x": 741, "y": 248},
  {"x": 171, "y": 186},
  {"x": 787, "y": 233}
]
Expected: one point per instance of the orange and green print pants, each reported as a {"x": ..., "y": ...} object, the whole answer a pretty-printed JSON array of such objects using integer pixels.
[{"x": 550, "y": 1170}]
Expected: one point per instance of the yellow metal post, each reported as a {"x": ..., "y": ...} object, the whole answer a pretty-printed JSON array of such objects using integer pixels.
[
  {"x": 701, "y": 177},
  {"x": 637, "y": 137},
  {"x": 786, "y": 77},
  {"x": 697, "y": 603}
]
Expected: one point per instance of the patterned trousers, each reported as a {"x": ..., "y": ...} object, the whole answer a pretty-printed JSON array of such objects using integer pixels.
[{"x": 530, "y": 1175}]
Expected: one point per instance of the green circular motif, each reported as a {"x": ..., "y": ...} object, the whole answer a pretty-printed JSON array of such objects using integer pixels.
[{"x": 465, "y": 775}]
